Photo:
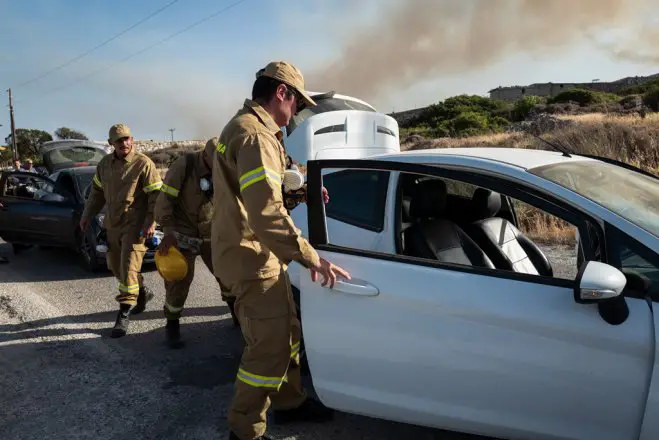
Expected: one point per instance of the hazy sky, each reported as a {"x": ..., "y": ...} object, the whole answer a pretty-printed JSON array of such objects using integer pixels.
[{"x": 396, "y": 54}]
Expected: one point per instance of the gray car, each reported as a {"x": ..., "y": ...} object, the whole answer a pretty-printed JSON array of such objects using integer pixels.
[{"x": 45, "y": 210}]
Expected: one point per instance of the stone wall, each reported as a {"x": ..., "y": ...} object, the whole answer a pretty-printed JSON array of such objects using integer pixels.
[{"x": 148, "y": 146}]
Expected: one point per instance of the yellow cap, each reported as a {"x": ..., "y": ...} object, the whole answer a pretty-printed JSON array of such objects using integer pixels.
[
  {"x": 288, "y": 74},
  {"x": 172, "y": 267},
  {"x": 211, "y": 145},
  {"x": 118, "y": 131}
]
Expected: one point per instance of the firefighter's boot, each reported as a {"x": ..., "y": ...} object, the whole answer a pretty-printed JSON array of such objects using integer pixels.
[
  {"x": 123, "y": 319},
  {"x": 233, "y": 436},
  {"x": 173, "y": 331},
  {"x": 144, "y": 297},
  {"x": 311, "y": 410}
]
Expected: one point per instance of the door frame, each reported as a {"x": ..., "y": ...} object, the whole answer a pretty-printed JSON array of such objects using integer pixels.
[{"x": 318, "y": 236}]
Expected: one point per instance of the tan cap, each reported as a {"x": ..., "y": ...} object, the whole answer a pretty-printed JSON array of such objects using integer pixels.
[
  {"x": 288, "y": 74},
  {"x": 118, "y": 131},
  {"x": 29, "y": 161},
  {"x": 211, "y": 145}
]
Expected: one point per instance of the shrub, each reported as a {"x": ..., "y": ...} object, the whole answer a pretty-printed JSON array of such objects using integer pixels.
[
  {"x": 524, "y": 106},
  {"x": 651, "y": 98},
  {"x": 583, "y": 97}
]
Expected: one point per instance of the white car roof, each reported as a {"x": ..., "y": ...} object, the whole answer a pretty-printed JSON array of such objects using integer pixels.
[{"x": 516, "y": 157}]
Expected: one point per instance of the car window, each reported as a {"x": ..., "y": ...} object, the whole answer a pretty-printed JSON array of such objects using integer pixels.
[
  {"x": 357, "y": 197},
  {"x": 27, "y": 186},
  {"x": 628, "y": 254},
  {"x": 84, "y": 181},
  {"x": 79, "y": 155},
  {"x": 627, "y": 193}
]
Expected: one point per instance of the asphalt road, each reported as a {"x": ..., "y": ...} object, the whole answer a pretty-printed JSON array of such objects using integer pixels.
[{"x": 62, "y": 377}]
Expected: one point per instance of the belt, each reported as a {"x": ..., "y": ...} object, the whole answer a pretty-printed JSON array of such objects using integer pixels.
[{"x": 191, "y": 244}]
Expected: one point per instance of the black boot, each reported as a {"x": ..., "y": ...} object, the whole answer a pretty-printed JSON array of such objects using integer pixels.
[
  {"x": 173, "y": 333},
  {"x": 233, "y": 436},
  {"x": 310, "y": 411},
  {"x": 121, "y": 324},
  {"x": 144, "y": 297}
]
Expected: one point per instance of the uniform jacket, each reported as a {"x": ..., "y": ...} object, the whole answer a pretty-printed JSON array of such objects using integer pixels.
[
  {"x": 129, "y": 187},
  {"x": 182, "y": 206},
  {"x": 252, "y": 232}
]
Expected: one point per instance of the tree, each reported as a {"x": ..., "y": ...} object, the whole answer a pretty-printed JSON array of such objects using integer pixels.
[
  {"x": 28, "y": 141},
  {"x": 69, "y": 133}
]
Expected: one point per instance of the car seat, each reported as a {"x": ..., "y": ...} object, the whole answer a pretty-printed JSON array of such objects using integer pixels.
[
  {"x": 432, "y": 237},
  {"x": 506, "y": 246}
]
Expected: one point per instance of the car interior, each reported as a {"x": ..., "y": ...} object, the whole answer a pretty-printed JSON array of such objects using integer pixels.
[{"x": 477, "y": 228}]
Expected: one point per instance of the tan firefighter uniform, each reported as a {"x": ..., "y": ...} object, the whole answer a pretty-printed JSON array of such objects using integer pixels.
[
  {"x": 253, "y": 239},
  {"x": 184, "y": 209},
  {"x": 129, "y": 187}
]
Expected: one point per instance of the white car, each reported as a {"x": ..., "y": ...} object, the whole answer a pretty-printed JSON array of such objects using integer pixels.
[{"x": 456, "y": 319}]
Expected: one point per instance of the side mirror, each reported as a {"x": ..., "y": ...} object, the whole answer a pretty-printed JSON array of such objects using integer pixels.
[{"x": 597, "y": 282}]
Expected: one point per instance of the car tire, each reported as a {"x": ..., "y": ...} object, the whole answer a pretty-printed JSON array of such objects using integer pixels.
[
  {"x": 88, "y": 255},
  {"x": 18, "y": 248}
]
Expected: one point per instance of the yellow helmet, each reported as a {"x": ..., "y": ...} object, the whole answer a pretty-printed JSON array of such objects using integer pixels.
[{"x": 172, "y": 267}]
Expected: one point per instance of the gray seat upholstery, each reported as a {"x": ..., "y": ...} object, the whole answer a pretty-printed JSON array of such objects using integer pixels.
[
  {"x": 433, "y": 237},
  {"x": 503, "y": 243}
]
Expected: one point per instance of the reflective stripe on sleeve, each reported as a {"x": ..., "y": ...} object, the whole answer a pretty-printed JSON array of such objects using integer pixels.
[
  {"x": 170, "y": 191},
  {"x": 153, "y": 187},
  {"x": 97, "y": 181},
  {"x": 256, "y": 175},
  {"x": 220, "y": 148}
]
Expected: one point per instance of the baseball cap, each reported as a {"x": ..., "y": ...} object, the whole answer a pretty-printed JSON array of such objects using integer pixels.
[
  {"x": 118, "y": 131},
  {"x": 288, "y": 74}
]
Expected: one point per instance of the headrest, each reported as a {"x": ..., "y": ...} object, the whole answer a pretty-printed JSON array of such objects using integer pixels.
[
  {"x": 485, "y": 203},
  {"x": 429, "y": 199},
  {"x": 406, "y": 209}
]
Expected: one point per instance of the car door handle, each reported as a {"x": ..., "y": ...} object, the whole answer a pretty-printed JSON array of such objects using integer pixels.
[{"x": 356, "y": 287}]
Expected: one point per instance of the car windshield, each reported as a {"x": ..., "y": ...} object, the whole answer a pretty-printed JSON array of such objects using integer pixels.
[
  {"x": 625, "y": 192},
  {"x": 84, "y": 179},
  {"x": 326, "y": 105},
  {"x": 73, "y": 156}
]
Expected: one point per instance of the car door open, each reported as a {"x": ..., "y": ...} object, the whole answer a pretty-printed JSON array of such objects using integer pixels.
[{"x": 471, "y": 347}]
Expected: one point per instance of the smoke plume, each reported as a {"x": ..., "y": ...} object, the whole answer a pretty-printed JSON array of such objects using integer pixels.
[{"x": 420, "y": 39}]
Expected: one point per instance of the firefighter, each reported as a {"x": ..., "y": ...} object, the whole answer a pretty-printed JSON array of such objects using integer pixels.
[
  {"x": 184, "y": 210},
  {"x": 253, "y": 240},
  {"x": 128, "y": 183}
]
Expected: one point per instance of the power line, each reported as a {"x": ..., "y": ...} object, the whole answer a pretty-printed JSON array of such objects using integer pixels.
[
  {"x": 110, "y": 66},
  {"x": 153, "y": 14}
]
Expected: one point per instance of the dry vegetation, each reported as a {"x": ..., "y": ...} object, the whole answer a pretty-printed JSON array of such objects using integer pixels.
[{"x": 630, "y": 138}]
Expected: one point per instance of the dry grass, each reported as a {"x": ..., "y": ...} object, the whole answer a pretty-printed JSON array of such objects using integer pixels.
[{"x": 629, "y": 138}]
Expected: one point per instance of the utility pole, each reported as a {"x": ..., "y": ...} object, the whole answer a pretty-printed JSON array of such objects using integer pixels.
[
  {"x": 13, "y": 128},
  {"x": 172, "y": 131}
]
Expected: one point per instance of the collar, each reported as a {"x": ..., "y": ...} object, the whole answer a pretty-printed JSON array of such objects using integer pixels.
[
  {"x": 200, "y": 165},
  {"x": 264, "y": 117},
  {"x": 129, "y": 157}
]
